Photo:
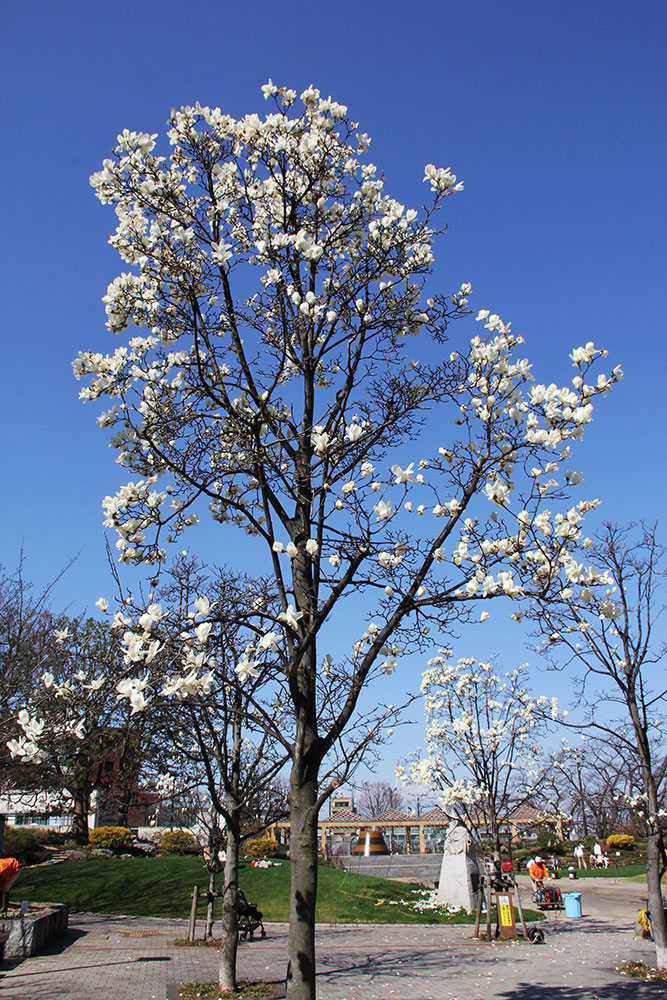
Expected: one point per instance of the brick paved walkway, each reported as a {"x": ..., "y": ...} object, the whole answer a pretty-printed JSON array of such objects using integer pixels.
[{"x": 132, "y": 958}]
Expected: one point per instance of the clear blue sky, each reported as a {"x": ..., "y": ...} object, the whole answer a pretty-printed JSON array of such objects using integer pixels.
[{"x": 553, "y": 113}]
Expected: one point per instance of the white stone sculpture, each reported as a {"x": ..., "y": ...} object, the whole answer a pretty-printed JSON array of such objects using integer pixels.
[{"x": 459, "y": 872}]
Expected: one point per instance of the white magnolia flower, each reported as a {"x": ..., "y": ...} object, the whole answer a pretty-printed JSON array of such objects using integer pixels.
[
  {"x": 133, "y": 688},
  {"x": 320, "y": 441},
  {"x": 203, "y": 631},
  {"x": 246, "y": 668},
  {"x": 268, "y": 641},
  {"x": 403, "y": 475},
  {"x": 311, "y": 546},
  {"x": 203, "y": 606},
  {"x": 151, "y": 617},
  {"x": 138, "y": 702},
  {"x": 152, "y": 651},
  {"x": 290, "y": 617},
  {"x": 101, "y": 603},
  {"x": 383, "y": 509},
  {"x": 61, "y": 634}
]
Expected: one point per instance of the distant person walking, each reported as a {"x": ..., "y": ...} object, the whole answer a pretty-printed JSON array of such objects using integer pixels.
[
  {"x": 597, "y": 854},
  {"x": 579, "y": 854}
]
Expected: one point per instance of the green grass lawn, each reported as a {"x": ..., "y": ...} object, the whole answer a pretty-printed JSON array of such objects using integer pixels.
[
  {"x": 614, "y": 871},
  {"x": 162, "y": 887}
]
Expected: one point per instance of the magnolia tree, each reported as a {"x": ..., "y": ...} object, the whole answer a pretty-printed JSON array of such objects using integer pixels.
[
  {"x": 26, "y": 643},
  {"x": 211, "y": 660},
  {"x": 482, "y": 741},
  {"x": 607, "y": 633},
  {"x": 202, "y": 628},
  {"x": 285, "y": 361},
  {"x": 73, "y": 723}
]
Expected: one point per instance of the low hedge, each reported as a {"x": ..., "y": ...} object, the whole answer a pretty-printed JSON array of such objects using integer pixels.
[
  {"x": 263, "y": 847},
  {"x": 177, "y": 842},
  {"x": 621, "y": 841},
  {"x": 25, "y": 843},
  {"x": 113, "y": 838}
]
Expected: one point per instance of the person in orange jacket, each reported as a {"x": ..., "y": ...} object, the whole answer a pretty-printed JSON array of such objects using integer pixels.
[
  {"x": 538, "y": 871},
  {"x": 9, "y": 872}
]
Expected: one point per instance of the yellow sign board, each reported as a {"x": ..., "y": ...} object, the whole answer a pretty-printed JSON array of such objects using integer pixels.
[{"x": 505, "y": 910}]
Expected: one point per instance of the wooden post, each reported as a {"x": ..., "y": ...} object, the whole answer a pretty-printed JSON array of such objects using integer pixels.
[
  {"x": 209, "y": 909},
  {"x": 193, "y": 915},
  {"x": 480, "y": 897},
  {"x": 488, "y": 909},
  {"x": 408, "y": 840},
  {"x": 520, "y": 909},
  {"x": 422, "y": 843}
]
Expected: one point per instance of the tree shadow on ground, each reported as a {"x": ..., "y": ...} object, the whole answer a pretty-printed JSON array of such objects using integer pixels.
[
  {"x": 587, "y": 925},
  {"x": 71, "y": 935},
  {"x": 627, "y": 989},
  {"x": 417, "y": 964},
  {"x": 75, "y": 968}
]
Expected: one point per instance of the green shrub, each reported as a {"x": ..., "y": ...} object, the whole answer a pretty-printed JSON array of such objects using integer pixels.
[
  {"x": 550, "y": 843},
  {"x": 114, "y": 838},
  {"x": 263, "y": 847},
  {"x": 178, "y": 842},
  {"x": 621, "y": 841},
  {"x": 25, "y": 844}
]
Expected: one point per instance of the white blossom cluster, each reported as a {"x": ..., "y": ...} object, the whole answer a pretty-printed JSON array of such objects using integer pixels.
[
  {"x": 187, "y": 644},
  {"x": 278, "y": 292},
  {"x": 482, "y": 727},
  {"x": 26, "y": 747},
  {"x": 56, "y": 716}
]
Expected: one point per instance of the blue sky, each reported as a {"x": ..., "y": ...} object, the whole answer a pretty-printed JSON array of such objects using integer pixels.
[{"x": 552, "y": 114}]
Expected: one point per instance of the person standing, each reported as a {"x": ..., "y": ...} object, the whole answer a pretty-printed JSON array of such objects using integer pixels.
[
  {"x": 597, "y": 854},
  {"x": 579, "y": 854}
]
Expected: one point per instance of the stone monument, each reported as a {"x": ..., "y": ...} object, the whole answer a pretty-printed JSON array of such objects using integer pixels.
[{"x": 459, "y": 872}]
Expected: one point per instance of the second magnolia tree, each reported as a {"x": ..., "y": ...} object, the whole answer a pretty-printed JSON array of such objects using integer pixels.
[{"x": 291, "y": 375}]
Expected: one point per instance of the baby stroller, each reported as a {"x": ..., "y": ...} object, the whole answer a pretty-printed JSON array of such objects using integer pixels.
[
  {"x": 250, "y": 918},
  {"x": 547, "y": 897}
]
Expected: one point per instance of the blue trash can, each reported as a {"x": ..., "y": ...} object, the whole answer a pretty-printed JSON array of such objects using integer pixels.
[{"x": 572, "y": 902}]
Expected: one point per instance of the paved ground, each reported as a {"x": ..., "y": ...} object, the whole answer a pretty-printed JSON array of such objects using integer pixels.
[{"x": 131, "y": 958}]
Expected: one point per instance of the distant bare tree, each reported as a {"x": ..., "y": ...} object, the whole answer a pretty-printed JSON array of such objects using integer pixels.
[
  {"x": 592, "y": 783},
  {"x": 608, "y": 634},
  {"x": 376, "y": 797}
]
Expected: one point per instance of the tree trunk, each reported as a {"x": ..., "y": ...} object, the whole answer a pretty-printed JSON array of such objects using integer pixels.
[
  {"x": 654, "y": 866},
  {"x": 655, "y": 848},
  {"x": 210, "y": 915},
  {"x": 80, "y": 815},
  {"x": 230, "y": 931},
  {"x": 303, "y": 856},
  {"x": 494, "y": 831}
]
